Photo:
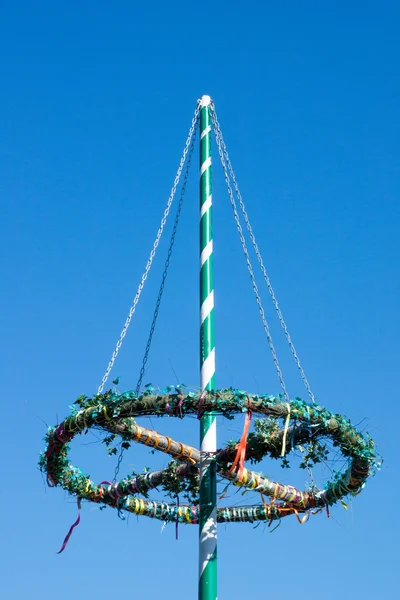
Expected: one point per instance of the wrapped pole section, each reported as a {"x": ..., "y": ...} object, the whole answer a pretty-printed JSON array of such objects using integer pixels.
[{"x": 208, "y": 432}]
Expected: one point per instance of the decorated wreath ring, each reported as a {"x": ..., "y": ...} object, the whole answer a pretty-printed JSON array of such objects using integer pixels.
[{"x": 115, "y": 413}]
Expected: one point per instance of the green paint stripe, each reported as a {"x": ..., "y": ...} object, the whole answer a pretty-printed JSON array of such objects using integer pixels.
[
  {"x": 209, "y": 418},
  {"x": 205, "y": 229},
  {"x": 205, "y": 146},
  {"x": 205, "y": 179},
  {"x": 208, "y": 579},
  {"x": 206, "y": 510},
  {"x": 206, "y": 424},
  {"x": 207, "y": 332},
  {"x": 206, "y": 279},
  {"x": 212, "y": 385},
  {"x": 207, "y": 335}
]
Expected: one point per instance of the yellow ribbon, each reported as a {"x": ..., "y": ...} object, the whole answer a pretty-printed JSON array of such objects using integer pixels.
[
  {"x": 149, "y": 437},
  {"x": 187, "y": 515},
  {"x": 137, "y": 434},
  {"x": 304, "y": 519},
  {"x": 107, "y": 418}
]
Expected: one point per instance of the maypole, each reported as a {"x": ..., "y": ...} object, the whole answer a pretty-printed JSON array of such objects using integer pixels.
[
  {"x": 283, "y": 424},
  {"x": 208, "y": 431}
]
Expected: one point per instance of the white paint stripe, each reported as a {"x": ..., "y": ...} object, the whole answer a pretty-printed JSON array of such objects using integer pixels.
[
  {"x": 206, "y": 206},
  {"x": 207, "y": 307},
  {"x": 208, "y": 442},
  {"x": 205, "y": 131},
  {"x": 208, "y": 540},
  {"x": 206, "y": 164},
  {"x": 206, "y": 253},
  {"x": 205, "y": 465},
  {"x": 208, "y": 369}
]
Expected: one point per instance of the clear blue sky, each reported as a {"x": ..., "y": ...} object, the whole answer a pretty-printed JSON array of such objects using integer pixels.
[{"x": 95, "y": 106}]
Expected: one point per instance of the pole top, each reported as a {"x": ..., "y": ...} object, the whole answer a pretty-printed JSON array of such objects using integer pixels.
[{"x": 205, "y": 101}]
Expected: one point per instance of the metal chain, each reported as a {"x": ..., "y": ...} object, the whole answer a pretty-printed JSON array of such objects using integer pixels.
[
  {"x": 165, "y": 273},
  {"x": 246, "y": 253},
  {"x": 152, "y": 253},
  {"x": 119, "y": 461},
  {"x": 164, "y": 277},
  {"x": 260, "y": 260}
]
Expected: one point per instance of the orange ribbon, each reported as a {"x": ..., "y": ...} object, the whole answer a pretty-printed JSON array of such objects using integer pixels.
[{"x": 238, "y": 463}]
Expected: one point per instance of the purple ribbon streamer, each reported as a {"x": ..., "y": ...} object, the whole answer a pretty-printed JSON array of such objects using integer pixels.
[
  {"x": 179, "y": 406},
  {"x": 201, "y": 399},
  {"x": 71, "y": 529}
]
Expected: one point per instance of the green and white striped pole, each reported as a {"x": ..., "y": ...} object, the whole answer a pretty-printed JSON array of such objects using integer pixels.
[{"x": 208, "y": 430}]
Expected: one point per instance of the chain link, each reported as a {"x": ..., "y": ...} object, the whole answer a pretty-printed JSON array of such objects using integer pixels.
[
  {"x": 259, "y": 257},
  {"x": 152, "y": 253},
  {"x": 246, "y": 253},
  {"x": 119, "y": 461}
]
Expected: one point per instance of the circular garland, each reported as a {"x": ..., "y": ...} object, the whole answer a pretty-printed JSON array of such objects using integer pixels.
[{"x": 115, "y": 413}]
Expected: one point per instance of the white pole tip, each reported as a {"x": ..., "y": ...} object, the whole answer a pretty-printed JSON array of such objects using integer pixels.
[{"x": 205, "y": 101}]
